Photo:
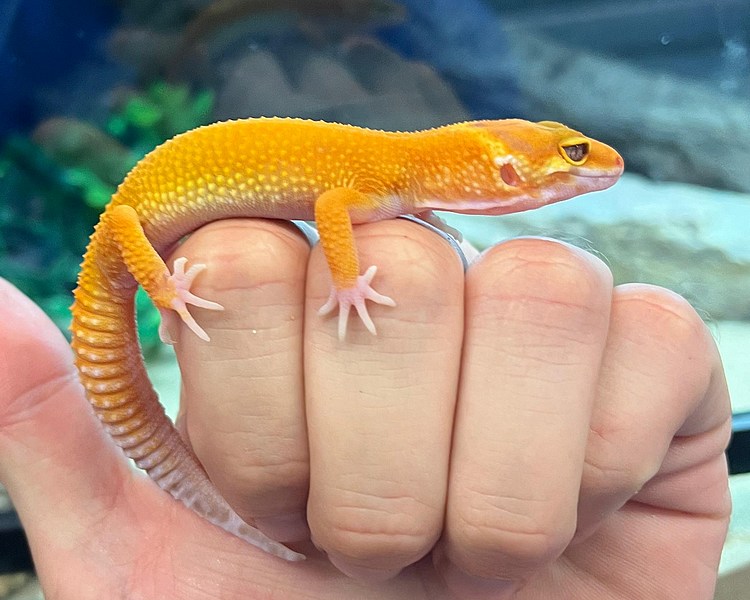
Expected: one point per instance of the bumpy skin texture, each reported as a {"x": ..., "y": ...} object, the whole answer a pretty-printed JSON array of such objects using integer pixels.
[{"x": 288, "y": 169}]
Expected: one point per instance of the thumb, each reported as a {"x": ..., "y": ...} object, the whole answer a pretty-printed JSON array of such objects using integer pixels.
[{"x": 54, "y": 459}]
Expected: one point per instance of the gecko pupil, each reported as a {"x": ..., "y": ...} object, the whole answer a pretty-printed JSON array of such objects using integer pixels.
[{"x": 576, "y": 152}]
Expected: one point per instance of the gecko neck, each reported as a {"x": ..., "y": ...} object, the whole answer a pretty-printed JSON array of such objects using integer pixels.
[{"x": 452, "y": 171}]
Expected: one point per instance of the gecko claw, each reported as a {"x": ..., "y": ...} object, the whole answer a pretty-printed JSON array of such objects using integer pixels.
[
  {"x": 343, "y": 320},
  {"x": 355, "y": 296}
]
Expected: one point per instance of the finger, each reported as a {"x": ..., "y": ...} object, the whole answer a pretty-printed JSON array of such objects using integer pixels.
[
  {"x": 48, "y": 433},
  {"x": 380, "y": 409},
  {"x": 661, "y": 378},
  {"x": 243, "y": 394},
  {"x": 536, "y": 325}
]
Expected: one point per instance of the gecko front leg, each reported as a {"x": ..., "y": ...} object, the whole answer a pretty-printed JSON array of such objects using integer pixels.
[{"x": 332, "y": 215}]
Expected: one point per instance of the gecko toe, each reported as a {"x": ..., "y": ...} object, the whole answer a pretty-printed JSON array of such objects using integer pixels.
[
  {"x": 330, "y": 304},
  {"x": 364, "y": 316}
]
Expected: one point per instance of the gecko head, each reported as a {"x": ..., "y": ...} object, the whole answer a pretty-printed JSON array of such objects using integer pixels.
[{"x": 534, "y": 164}]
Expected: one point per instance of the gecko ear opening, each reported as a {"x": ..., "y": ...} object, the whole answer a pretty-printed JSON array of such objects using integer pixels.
[{"x": 509, "y": 175}]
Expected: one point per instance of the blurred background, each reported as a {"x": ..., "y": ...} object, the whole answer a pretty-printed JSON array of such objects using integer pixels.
[{"x": 87, "y": 87}]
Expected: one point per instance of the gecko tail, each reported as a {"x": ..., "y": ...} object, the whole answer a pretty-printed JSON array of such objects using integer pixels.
[
  {"x": 111, "y": 368},
  {"x": 179, "y": 473},
  {"x": 190, "y": 485}
]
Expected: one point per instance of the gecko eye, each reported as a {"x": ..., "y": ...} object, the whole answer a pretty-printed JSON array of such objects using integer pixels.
[{"x": 575, "y": 154}]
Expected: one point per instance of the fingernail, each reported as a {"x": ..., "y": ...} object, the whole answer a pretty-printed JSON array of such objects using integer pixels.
[
  {"x": 285, "y": 528},
  {"x": 364, "y": 574}
]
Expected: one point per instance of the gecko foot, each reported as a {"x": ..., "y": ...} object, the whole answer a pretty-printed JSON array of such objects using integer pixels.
[
  {"x": 355, "y": 296},
  {"x": 182, "y": 280}
]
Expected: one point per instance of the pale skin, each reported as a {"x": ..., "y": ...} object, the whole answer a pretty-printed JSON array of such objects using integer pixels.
[{"x": 525, "y": 430}]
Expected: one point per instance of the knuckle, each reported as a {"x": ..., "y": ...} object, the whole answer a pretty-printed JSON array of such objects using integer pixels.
[
  {"x": 607, "y": 468},
  {"x": 271, "y": 478},
  {"x": 517, "y": 540},
  {"x": 547, "y": 270},
  {"x": 617, "y": 475},
  {"x": 430, "y": 262},
  {"x": 389, "y": 549},
  {"x": 261, "y": 486},
  {"x": 547, "y": 289},
  {"x": 652, "y": 302},
  {"x": 386, "y": 536},
  {"x": 246, "y": 252},
  {"x": 660, "y": 314}
]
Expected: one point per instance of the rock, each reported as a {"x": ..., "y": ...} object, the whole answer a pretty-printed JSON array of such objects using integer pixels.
[
  {"x": 31, "y": 590},
  {"x": 258, "y": 85},
  {"x": 679, "y": 236},
  {"x": 666, "y": 127},
  {"x": 166, "y": 39},
  {"x": 466, "y": 44},
  {"x": 285, "y": 59},
  {"x": 360, "y": 82},
  {"x": 5, "y": 504},
  {"x": 75, "y": 143},
  {"x": 205, "y": 17},
  {"x": 146, "y": 50},
  {"x": 10, "y": 584},
  {"x": 732, "y": 337}
]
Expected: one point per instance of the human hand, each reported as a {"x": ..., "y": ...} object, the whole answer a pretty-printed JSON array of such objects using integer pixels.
[{"x": 572, "y": 449}]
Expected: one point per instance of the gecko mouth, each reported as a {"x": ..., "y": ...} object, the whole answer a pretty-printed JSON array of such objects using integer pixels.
[
  {"x": 596, "y": 179},
  {"x": 592, "y": 182},
  {"x": 589, "y": 173}
]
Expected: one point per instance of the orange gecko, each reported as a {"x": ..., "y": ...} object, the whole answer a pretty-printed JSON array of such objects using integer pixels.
[{"x": 287, "y": 169}]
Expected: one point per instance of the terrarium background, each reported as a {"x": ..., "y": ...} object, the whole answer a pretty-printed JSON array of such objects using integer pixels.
[{"x": 87, "y": 87}]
